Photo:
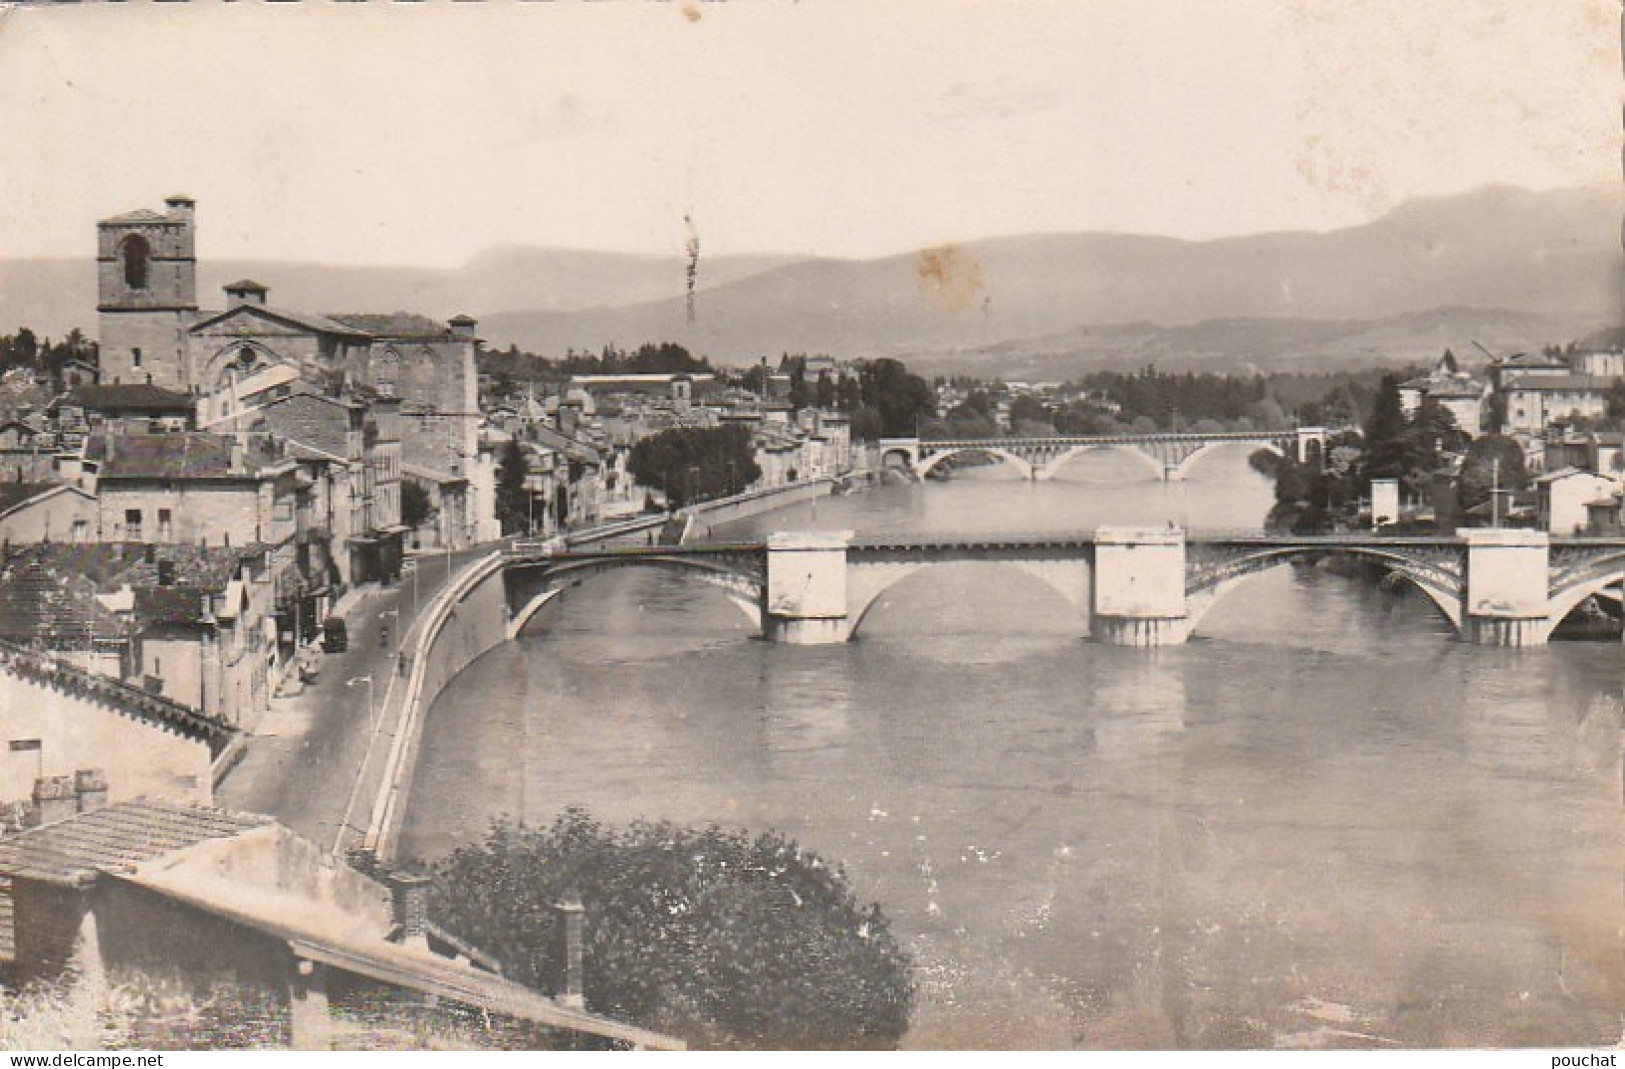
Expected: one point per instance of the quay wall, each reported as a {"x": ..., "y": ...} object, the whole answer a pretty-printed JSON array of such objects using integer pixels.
[
  {"x": 469, "y": 618},
  {"x": 751, "y": 503}
]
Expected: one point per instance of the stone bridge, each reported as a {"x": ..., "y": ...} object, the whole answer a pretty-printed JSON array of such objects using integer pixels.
[
  {"x": 1128, "y": 586},
  {"x": 1168, "y": 456}
]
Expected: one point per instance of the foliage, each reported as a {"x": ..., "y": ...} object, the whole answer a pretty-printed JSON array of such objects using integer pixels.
[
  {"x": 1492, "y": 461},
  {"x": 720, "y": 937},
  {"x": 694, "y": 463},
  {"x": 900, "y": 399},
  {"x": 25, "y": 349},
  {"x": 512, "y": 497},
  {"x": 416, "y": 507},
  {"x": 666, "y": 358}
]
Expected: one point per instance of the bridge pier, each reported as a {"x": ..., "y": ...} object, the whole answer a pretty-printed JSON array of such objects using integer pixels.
[
  {"x": 806, "y": 589},
  {"x": 1139, "y": 587},
  {"x": 1507, "y": 602}
]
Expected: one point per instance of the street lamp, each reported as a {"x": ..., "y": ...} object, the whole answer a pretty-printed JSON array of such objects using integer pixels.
[{"x": 372, "y": 713}]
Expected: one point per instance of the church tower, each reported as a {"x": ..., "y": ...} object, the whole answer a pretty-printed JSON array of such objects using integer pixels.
[{"x": 146, "y": 278}]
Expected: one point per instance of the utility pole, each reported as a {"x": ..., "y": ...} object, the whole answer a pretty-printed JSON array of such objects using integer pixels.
[{"x": 1495, "y": 491}]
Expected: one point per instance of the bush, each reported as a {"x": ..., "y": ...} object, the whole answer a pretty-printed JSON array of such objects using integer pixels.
[{"x": 724, "y": 939}]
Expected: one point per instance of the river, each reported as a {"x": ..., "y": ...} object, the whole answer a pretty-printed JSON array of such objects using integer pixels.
[{"x": 1321, "y": 823}]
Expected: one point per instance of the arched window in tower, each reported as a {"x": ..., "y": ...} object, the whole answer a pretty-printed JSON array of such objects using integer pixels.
[{"x": 137, "y": 254}]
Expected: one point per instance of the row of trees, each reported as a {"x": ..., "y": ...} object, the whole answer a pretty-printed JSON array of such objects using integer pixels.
[{"x": 512, "y": 365}]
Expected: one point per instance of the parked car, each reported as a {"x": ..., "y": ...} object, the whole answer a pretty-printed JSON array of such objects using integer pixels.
[{"x": 335, "y": 635}]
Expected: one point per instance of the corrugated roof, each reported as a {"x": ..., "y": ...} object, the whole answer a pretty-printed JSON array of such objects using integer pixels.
[{"x": 116, "y": 838}]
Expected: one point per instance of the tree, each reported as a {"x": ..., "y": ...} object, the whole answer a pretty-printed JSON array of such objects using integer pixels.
[
  {"x": 1493, "y": 461},
  {"x": 416, "y": 507},
  {"x": 513, "y": 497},
  {"x": 693, "y": 463},
  {"x": 899, "y": 397},
  {"x": 726, "y": 939}
]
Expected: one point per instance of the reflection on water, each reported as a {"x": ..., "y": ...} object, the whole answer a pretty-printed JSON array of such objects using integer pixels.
[{"x": 1321, "y": 823}]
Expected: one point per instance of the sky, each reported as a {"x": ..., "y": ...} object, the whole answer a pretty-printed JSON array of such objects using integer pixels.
[{"x": 423, "y": 134}]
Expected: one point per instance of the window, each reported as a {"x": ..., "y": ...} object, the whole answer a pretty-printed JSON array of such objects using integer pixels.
[
  {"x": 136, "y": 354},
  {"x": 80, "y": 531},
  {"x": 163, "y": 523},
  {"x": 132, "y": 524},
  {"x": 136, "y": 254}
]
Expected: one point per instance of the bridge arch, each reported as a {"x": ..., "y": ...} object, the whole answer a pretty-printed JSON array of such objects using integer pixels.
[
  {"x": 1071, "y": 579},
  {"x": 925, "y": 466},
  {"x": 1153, "y": 464},
  {"x": 1601, "y": 574},
  {"x": 529, "y": 594},
  {"x": 1440, "y": 588},
  {"x": 1182, "y": 470}
]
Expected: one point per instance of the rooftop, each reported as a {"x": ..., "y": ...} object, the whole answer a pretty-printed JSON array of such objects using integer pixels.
[
  {"x": 130, "y": 397},
  {"x": 393, "y": 324},
  {"x": 181, "y": 455},
  {"x": 115, "y": 839}
]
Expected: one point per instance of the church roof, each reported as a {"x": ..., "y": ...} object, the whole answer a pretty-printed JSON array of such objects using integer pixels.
[
  {"x": 316, "y": 324},
  {"x": 393, "y": 324},
  {"x": 140, "y": 215}
]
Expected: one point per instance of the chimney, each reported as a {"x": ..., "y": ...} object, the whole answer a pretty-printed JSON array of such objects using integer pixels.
[
  {"x": 54, "y": 799},
  {"x": 90, "y": 785},
  {"x": 462, "y": 326},
  {"x": 409, "y": 901},
  {"x": 569, "y": 923}
]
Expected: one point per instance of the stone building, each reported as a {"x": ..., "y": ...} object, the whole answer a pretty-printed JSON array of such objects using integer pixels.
[{"x": 154, "y": 332}]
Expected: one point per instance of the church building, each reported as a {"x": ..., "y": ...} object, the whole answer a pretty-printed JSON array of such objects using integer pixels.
[{"x": 153, "y": 331}]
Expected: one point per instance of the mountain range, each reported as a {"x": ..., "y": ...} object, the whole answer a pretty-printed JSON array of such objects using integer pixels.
[{"x": 1505, "y": 267}]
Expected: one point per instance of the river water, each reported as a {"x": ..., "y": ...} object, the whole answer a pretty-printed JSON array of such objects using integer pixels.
[{"x": 1321, "y": 823}]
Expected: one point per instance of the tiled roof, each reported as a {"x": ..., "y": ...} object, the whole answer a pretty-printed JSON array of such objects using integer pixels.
[
  {"x": 57, "y": 607},
  {"x": 1607, "y": 340},
  {"x": 116, "y": 838},
  {"x": 140, "y": 215},
  {"x": 169, "y": 604},
  {"x": 130, "y": 397},
  {"x": 1559, "y": 383},
  {"x": 318, "y": 324},
  {"x": 393, "y": 324},
  {"x": 179, "y": 455},
  {"x": 16, "y": 493}
]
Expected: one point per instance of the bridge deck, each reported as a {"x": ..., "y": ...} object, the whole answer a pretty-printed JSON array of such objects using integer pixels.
[{"x": 996, "y": 542}]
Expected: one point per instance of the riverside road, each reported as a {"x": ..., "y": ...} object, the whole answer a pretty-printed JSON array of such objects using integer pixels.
[{"x": 307, "y": 761}]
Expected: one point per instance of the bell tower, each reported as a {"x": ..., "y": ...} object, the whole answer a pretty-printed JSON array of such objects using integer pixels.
[{"x": 146, "y": 281}]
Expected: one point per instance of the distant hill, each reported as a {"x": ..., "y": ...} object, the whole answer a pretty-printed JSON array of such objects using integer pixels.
[{"x": 1509, "y": 267}]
